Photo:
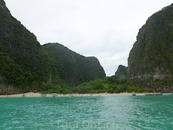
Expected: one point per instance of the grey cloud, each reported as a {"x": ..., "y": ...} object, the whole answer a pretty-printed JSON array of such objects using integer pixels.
[{"x": 106, "y": 29}]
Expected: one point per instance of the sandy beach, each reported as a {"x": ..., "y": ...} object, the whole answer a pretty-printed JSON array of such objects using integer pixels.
[{"x": 31, "y": 94}]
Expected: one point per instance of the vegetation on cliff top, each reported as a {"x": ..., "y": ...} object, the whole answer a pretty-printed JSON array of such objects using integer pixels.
[
  {"x": 27, "y": 65},
  {"x": 151, "y": 56},
  {"x": 23, "y": 62},
  {"x": 72, "y": 67}
]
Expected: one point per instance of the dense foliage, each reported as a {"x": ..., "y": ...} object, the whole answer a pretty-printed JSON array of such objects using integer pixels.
[
  {"x": 12, "y": 72},
  {"x": 72, "y": 67},
  {"x": 23, "y": 62},
  {"x": 25, "y": 65},
  {"x": 108, "y": 84}
]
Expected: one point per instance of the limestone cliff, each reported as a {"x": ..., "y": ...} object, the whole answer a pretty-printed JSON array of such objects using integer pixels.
[
  {"x": 23, "y": 61},
  {"x": 150, "y": 59},
  {"x": 72, "y": 67},
  {"x": 26, "y": 66},
  {"x": 121, "y": 72}
]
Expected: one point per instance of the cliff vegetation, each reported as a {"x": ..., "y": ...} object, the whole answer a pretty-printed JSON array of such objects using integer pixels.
[
  {"x": 25, "y": 65},
  {"x": 150, "y": 60}
]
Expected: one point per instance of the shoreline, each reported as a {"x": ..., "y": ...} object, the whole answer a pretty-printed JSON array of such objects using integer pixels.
[{"x": 31, "y": 94}]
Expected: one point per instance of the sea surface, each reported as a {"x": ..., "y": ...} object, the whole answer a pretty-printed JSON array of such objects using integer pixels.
[{"x": 87, "y": 113}]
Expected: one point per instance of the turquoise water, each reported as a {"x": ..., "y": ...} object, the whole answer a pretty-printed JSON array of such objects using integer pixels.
[{"x": 87, "y": 113}]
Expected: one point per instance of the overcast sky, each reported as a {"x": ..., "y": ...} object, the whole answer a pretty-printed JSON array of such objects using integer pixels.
[{"x": 106, "y": 29}]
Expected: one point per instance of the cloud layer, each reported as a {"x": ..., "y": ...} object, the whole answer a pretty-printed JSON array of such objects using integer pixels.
[{"x": 106, "y": 29}]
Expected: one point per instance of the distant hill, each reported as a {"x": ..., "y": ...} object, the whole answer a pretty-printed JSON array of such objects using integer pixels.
[
  {"x": 150, "y": 61},
  {"x": 72, "y": 67},
  {"x": 121, "y": 72},
  {"x": 25, "y": 65}
]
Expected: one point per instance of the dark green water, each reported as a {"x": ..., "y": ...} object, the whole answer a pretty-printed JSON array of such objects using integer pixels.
[{"x": 87, "y": 113}]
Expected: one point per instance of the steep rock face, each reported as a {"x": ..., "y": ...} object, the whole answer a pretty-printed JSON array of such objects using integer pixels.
[
  {"x": 3, "y": 8},
  {"x": 121, "y": 72},
  {"x": 26, "y": 66},
  {"x": 72, "y": 67},
  {"x": 151, "y": 56},
  {"x": 23, "y": 61}
]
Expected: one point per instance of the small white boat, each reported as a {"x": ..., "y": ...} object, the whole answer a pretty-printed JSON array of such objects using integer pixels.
[{"x": 158, "y": 94}]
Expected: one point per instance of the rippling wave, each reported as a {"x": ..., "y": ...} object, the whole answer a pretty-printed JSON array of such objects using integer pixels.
[{"x": 87, "y": 113}]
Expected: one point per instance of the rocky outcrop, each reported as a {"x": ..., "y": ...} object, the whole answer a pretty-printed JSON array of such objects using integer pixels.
[
  {"x": 4, "y": 9},
  {"x": 121, "y": 72},
  {"x": 8, "y": 89},
  {"x": 150, "y": 59},
  {"x": 72, "y": 67}
]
